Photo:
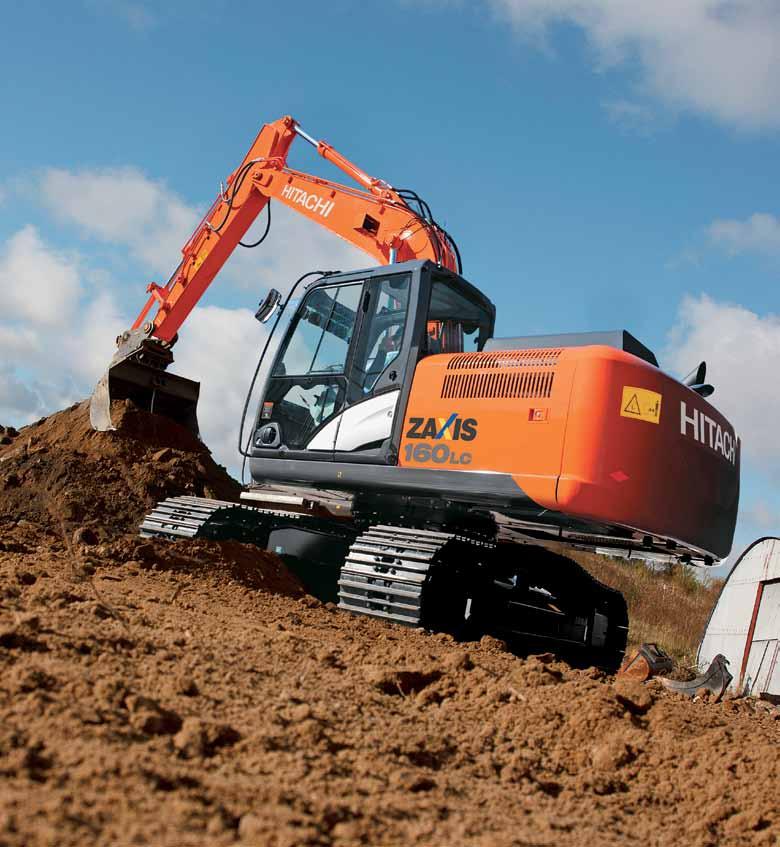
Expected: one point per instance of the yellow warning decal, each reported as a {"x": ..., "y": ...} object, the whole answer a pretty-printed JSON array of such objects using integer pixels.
[{"x": 641, "y": 404}]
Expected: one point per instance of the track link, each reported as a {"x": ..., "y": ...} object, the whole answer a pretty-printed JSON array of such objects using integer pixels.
[{"x": 386, "y": 571}]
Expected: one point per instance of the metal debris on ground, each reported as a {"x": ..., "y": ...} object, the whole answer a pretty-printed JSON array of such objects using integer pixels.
[{"x": 648, "y": 661}]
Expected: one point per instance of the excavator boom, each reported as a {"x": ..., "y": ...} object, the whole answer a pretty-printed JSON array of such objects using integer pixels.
[{"x": 374, "y": 217}]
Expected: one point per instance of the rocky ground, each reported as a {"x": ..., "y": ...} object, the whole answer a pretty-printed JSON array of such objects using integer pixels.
[{"x": 193, "y": 694}]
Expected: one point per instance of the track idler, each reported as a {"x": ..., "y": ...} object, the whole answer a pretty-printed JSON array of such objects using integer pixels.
[{"x": 138, "y": 373}]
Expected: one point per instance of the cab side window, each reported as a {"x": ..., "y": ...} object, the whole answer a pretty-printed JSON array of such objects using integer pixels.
[{"x": 456, "y": 324}]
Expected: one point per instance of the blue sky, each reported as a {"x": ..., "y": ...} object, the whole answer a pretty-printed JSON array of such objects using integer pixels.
[{"x": 601, "y": 165}]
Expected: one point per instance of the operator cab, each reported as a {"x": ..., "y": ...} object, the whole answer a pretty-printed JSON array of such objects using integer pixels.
[{"x": 344, "y": 367}]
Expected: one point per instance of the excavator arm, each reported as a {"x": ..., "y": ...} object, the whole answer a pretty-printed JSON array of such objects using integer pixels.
[{"x": 375, "y": 217}]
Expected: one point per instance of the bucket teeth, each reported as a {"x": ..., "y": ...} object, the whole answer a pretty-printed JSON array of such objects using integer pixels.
[{"x": 100, "y": 406}]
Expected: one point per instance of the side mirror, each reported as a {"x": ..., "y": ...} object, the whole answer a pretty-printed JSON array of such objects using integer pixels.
[{"x": 268, "y": 306}]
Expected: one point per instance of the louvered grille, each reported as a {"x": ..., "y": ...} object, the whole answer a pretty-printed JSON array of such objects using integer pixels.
[
  {"x": 542, "y": 358},
  {"x": 528, "y": 384},
  {"x": 526, "y": 374}
]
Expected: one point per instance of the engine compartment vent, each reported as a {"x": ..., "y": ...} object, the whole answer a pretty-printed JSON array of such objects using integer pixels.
[
  {"x": 542, "y": 357},
  {"x": 531, "y": 384}
]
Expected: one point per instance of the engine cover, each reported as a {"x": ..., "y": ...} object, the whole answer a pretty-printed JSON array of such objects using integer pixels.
[{"x": 592, "y": 432}]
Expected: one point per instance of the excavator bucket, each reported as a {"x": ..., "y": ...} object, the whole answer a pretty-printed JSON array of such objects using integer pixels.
[
  {"x": 141, "y": 378},
  {"x": 716, "y": 679}
]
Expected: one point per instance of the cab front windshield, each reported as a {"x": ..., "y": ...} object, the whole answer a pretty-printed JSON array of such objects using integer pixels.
[
  {"x": 308, "y": 385},
  {"x": 320, "y": 340}
]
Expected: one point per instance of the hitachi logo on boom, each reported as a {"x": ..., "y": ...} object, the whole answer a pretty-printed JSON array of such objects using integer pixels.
[
  {"x": 312, "y": 202},
  {"x": 708, "y": 432}
]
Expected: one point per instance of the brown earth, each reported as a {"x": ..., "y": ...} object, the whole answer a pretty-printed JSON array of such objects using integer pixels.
[
  {"x": 58, "y": 472},
  {"x": 192, "y": 694}
]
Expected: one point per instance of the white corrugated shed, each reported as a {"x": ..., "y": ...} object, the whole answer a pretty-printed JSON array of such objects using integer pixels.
[{"x": 745, "y": 623}]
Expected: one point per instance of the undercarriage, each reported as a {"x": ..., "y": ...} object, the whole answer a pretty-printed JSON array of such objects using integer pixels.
[{"x": 410, "y": 563}]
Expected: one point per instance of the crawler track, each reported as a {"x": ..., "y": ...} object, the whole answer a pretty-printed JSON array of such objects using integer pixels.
[
  {"x": 192, "y": 517},
  {"x": 386, "y": 571}
]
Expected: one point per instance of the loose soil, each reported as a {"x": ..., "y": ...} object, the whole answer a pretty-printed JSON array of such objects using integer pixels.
[
  {"x": 59, "y": 472},
  {"x": 193, "y": 694}
]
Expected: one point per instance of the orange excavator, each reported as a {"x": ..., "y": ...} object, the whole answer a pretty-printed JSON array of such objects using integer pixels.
[{"x": 417, "y": 468}]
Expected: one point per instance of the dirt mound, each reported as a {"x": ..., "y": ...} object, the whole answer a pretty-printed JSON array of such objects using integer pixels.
[
  {"x": 59, "y": 475},
  {"x": 7, "y": 434},
  {"x": 190, "y": 694},
  {"x": 150, "y": 698}
]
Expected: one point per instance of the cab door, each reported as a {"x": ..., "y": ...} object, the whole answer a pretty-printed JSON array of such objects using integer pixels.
[{"x": 376, "y": 371}]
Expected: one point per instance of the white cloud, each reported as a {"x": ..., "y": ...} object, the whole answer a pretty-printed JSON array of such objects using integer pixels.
[
  {"x": 123, "y": 206},
  {"x": 760, "y": 233},
  {"x": 742, "y": 351},
  {"x": 720, "y": 58},
  {"x": 88, "y": 351},
  {"x": 18, "y": 342},
  {"x": 17, "y": 401},
  {"x": 37, "y": 283},
  {"x": 52, "y": 344}
]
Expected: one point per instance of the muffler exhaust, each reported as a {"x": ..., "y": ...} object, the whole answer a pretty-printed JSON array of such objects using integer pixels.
[{"x": 137, "y": 373}]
